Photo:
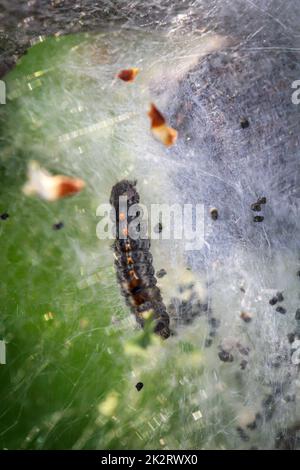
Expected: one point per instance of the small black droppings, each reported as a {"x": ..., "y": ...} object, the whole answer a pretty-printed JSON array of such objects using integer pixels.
[
  {"x": 290, "y": 398},
  {"x": 273, "y": 301},
  {"x": 258, "y": 418},
  {"x": 277, "y": 389},
  {"x": 268, "y": 404},
  {"x": 291, "y": 337},
  {"x": 58, "y": 226},
  {"x": 158, "y": 228},
  {"x": 203, "y": 307},
  {"x": 288, "y": 439},
  {"x": 277, "y": 361},
  {"x": 4, "y": 216},
  {"x": 242, "y": 349},
  {"x": 214, "y": 213},
  {"x": 297, "y": 316},
  {"x": 244, "y": 123},
  {"x": 258, "y": 218},
  {"x": 243, "y": 364},
  {"x": 208, "y": 342},
  {"x": 252, "y": 425},
  {"x": 225, "y": 356},
  {"x": 298, "y": 273},
  {"x": 242, "y": 434},
  {"x": 280, "y": 297},
  {"x": 161, "y": 273},
  {"x": 281, "y": 310},
  {"x": 139, "y": 386},
  {"x": 255, "y": 207},
  {"x": 262, "y": 200},
  {"x": 184, "y": 287},
  {"x": 214, "y": 322}
]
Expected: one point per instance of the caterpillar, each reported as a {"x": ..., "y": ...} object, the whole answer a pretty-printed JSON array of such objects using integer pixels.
[{"x": 133, "y": 263}]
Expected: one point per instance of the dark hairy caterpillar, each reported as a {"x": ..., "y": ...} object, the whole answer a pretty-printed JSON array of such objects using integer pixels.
[{"x": 133, "y": 262}]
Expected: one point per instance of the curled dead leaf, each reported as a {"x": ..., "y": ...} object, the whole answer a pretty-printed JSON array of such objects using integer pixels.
[
  {"x": 50, "y": 187},
  {"x": 163, "y": 133},
  {"x": 128, "y": 75}
]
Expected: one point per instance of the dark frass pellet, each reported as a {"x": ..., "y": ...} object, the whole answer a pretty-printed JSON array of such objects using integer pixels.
[
  {"x": 258, "y": 418},
  {"x": 203, "y": 306},
  {"x": 280, "y": 297},
  {"x": 225, "y": 356},
  {"x": 257, "y": 421},
  {"x": 290, "y": 398},
  {"x": 281, "y": 310},
  {"x": 277, "y": 387},
  {"x": 273, "y": 301},
  {"x": 269, "y": 400},
  {"x": 297, "y": 315},
  {"x": 139, "y": 386},
  {"x": 58, "y": 226},
  {"x": 242, "y": 349},
  {"x": 185, "y": 287},
  {"x": 214, "y": 322},
  {"x": 208, "y": 342},
  {"x": 243, "y": 435},
  {"x": 276, "y": 361},
  {"x": 214, "y": 213},
  {"x": 161, "y": 273},
  {"x": 244, "y": 123},
  {"x": 252, "y": 425},
  {"x": 262, "y": 200},
  {"x": 256, "y": 207},
  {"x": 291, "y": 337},
  {"x": 243, "y": 364},
  {"x": 258, "y": 218},
  {"x": 4, "y": 216},
  {"x": 269, "y": 404}
]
